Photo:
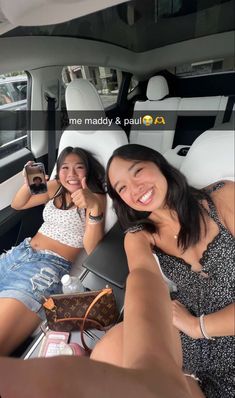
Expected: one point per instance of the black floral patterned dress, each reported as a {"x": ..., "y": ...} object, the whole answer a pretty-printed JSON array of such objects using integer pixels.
[{"x": 212, "y": 361}]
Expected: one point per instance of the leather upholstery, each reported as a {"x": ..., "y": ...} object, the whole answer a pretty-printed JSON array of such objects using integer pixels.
[{"x": 211, "y": 157}]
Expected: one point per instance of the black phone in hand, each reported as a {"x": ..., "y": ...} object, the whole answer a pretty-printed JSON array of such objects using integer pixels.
[{"x": 36, "y": 177}]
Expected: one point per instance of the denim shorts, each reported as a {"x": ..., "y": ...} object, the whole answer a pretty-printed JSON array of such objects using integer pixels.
[{"x": 30, "y": 275}]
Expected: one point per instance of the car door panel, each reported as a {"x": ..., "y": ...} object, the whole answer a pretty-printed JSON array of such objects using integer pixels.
[{"x": 15, "y": 225}]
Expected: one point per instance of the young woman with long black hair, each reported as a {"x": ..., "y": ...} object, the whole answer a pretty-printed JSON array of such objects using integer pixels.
[
  {"x": 73, "y": 219},
  {"x": 192, "y": 233}
]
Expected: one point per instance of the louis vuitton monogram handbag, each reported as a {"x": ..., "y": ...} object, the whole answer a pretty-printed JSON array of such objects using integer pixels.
[{"x": 81, "y": 311}]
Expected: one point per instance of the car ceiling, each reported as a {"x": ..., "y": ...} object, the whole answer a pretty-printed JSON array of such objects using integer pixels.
[
  {"x": 15, "y": 13},
  {"x": 165, "y": 32},
  {"x": 141, "y": 26}
]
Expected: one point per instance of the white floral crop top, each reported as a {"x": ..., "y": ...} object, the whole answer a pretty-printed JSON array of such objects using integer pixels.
[{"x": 65, "y": 226}]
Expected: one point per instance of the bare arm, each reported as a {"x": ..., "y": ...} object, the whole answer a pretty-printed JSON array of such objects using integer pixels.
[
  {"x": 24, "y": 200},
  {"x": 95, "y": 206},
  {"x": 221, "y": 323},
  {"x": 148, "y": 315},
  {"x": 94, "y": 232},
  {"x": 63, "y": 377},
  {"x": 140, "y": 258},
  {"x": 217, "y": 324}
]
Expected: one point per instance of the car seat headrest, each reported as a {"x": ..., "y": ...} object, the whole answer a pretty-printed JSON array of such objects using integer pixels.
[
  {"x": 157, "y": 88},
  {"x": 81, "y": 95}
]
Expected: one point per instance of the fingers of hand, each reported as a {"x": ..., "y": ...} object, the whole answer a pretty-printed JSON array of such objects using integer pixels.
[
  {"x": 79, "y": 199},
  {"x": 83, "y": 198},
  {"x": 83, "y": 183},
  {"x": 77, "y": 194},
  {"x": 30, "y": 162}
]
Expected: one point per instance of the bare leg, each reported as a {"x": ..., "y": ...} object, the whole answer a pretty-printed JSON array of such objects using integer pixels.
[
  {"x": 149, "y": 365},
  {"x": 17, "y": 322},
  {"x": 72, "y": 377},
  {"x": 110, "y": 350}
]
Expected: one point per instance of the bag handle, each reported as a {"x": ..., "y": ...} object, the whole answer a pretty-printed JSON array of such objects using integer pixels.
[
  {"x": 97, "y": 298},
  {"x": 50, "y": 305}
]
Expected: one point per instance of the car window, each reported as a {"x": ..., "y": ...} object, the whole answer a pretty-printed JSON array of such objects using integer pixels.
[
  {"x": 13, "y": 103},
  {"x": 20, "y": 90},
  {"x": 5, "y": 97},
  {"x": 133, "y": 84},
  {"x": 205, "y": 67}
]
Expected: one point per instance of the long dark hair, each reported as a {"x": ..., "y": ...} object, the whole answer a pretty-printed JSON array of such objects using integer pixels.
[
  {"x": 95, "y": 173},
  {"x": 180, "y": 197}
]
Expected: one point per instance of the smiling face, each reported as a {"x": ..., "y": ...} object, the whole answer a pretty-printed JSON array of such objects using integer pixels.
[
  {"x": 71, "y": 172},
  {"x": 140, "y": 184},
  {"x": 37, "y": 180}
]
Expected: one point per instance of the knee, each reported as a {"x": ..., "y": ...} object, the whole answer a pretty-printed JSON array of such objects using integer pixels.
[
  {"x": 109, "y": 348},
  {"x": 97, "y": 351}
]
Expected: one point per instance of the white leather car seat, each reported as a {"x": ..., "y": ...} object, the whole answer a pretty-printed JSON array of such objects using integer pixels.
[
  {"x": 211, "y": 157},
  {"x": 159, "y": 139},
  {"x": 213, "y": 106},
  {"x": 81, "y": 95}
]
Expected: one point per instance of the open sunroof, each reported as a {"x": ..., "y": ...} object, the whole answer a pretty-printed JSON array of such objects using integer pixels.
[{"x": 141, "y": 26}]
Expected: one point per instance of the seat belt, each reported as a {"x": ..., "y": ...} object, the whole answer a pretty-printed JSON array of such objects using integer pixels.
[
  {"x": 51, "y": 125},
  {"x": 229, "y": 109}
]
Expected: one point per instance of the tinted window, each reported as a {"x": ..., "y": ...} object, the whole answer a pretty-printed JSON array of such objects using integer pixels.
[
  {"x": 168, "y": 21},
  {"x": 206, "y": 67},
  {"x": 13, "y": 98}
]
